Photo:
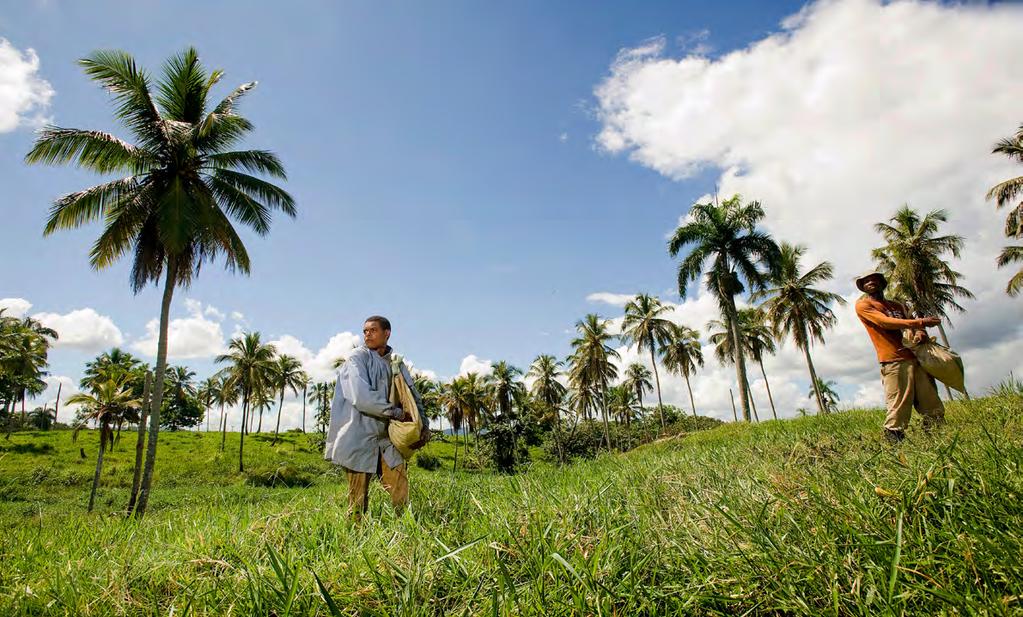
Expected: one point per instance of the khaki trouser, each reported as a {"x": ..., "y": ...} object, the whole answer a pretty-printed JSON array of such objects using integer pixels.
[
  {"x": 395, "y": 482},
  {"x": 907, "y": 385}
]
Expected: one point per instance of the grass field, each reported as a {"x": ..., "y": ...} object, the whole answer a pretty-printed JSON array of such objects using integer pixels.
[{"x": 813, "y": 516}]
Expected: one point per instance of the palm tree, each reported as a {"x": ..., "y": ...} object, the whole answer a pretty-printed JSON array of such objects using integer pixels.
[
  {"x": 306, "y": 382},
  {"x": 914, "y": 260},
  {"x": 451, "y": 398},
  {"x": 338, "y": 362},
  {"x": 206, "y": 395},
  {"x": 26, "y": 345},
  {"x": 287, "y": 373},
  {"x": 826, "y": 390},
  {"x": 109, "y": 365},
  {"x": 637, "y": 377},
  {"x": 504, "y": 385},
  {"x": 721, "y": 338},
  {"x": 757, "y": 340},
  {"x": 550, "y": 393},
  {"x": 726, "y": 237},
  {"x": 42, "y": 417},
  {"x": 796, "y": 307},
  {"x": 262, "y": 400},
  {"x": 645, "y": 327},
  {"x": 173, "y": 210},
  {"x": 250, "y": 362},
  {"x": 591, "y": 366},
  {"x": 683, "y": 355},
  {"x": 1004, "y": 193},
  {"x": 224, "y": 393},
  {"x": 111, "y": 403},
  {"x": 622, "y": 403}
]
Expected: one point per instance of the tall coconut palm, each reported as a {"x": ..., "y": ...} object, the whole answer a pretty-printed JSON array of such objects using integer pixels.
[
  {"x": 622, "y": 403},
  {"x": 645, "y": 327},
  {"x": 757, "y": 340},
  {"x": 826, "y": 390},
  {"x": 108, "y": 365},
  {"x": 914, "y": 258},
  {"x": 109, "y": 404},
  {"x": 550, "y": 393},
  {"x": 429, "y": 394},
  {"x": 286, "y": 373},
  {"x": 637, "y": 377},
  {"x": 725, "y": 243},
  {"x": 683, "y": 355},
  {"x": 250, "y": 362},
  {"x": 505, "y": 385},
  {"x": 306, "y": 382},
  {"x": 206, "y": 393},
  {"x": 796, "y": 307},
  {"x": 451, "y": 401},
  {"x": 591, "y": 365},
  {"x": 184, "y": 185},
  {"x": 1009, "y": 256},
  {"x": 1004, "y": 193},
  {"x": 225, "y": 394},
  {"x": 23, "y": 364}
]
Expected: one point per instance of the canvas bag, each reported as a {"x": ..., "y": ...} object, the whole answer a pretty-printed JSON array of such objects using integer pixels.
[
  {"x": 942, "y": 363},
  {"x": 407, "y": 437}
]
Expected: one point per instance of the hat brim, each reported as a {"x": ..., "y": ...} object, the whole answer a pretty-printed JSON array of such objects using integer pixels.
[{"x": 860, "y": 280}]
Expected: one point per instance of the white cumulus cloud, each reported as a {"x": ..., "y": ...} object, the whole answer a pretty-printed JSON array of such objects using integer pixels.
[
  {"x": 24, "y": 95},
  {"x": 189, "y": 337},
  {"x": 15, "y": 307},
  {"x": 853, "y": 108},
  {"x": 473, "y": 364},
  {"x": 82, "y": 329}
]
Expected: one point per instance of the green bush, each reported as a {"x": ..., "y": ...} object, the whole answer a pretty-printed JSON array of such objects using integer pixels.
[
  {"x": 284, "y": 475},
  {"x": 427, "y": 461}
]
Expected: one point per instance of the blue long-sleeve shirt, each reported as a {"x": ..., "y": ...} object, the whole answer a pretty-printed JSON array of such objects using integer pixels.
[{"x": 357, "y": 432}]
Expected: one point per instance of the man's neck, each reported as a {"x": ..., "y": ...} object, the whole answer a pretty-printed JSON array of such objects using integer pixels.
[
  {"x": 879, "y": 296},
  {"x": 383, "y": 351}
]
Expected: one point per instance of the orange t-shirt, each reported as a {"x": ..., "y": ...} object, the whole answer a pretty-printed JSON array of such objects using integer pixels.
[{"x": 885, "y": 320}]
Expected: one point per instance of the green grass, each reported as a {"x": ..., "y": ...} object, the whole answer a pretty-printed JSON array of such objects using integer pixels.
[{"x": 814, "y": 516}]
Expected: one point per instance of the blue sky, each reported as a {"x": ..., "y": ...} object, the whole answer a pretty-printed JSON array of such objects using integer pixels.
[{"x": 444, "y": 156}]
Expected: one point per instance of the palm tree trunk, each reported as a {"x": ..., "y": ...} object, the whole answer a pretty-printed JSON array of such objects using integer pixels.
[
  {"x": 304, "y": 394},
  {"x": 752, "y": 402},
  {"x": 813, "y": 380},
  {"x": 259, "y": 427},
  {"x": 10, "y": 416},
  {"x": 241, "y": 441},
  {"x": 767, "y": 385},
  {"x": 603, "y": 415},
  {"x": 944, "y": 341},
  {"x": 692, "y": 403},
  {"x": 24, "y": 395},
  {"x": 735, "y": 416},
  {"x": 99, "y": 464},
  {"x": 140, "y": 443},
  {"x": 657, "y": 378},
  {"x": 740, "y": 360},
  {"x": 557, "y": 435},
  {"x": 56, "y": 405},
  {"x": 158, "y": 378},
  {"x": 277, "y": 429},
  {"x": 223, "y": 427}
]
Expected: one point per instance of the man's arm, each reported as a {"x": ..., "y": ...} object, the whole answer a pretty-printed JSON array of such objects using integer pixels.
[
  {"x": 879, "y": 319},
  {"x": 367, "y": 401}
]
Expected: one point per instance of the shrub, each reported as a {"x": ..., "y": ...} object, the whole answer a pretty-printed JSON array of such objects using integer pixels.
[
  {"x": 285, "y": 475},
  {"x": 427, "y": 461}
]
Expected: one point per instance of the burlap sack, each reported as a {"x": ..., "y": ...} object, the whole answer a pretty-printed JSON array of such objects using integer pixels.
[
  {"x": 407, "y": 437},
  {"x": 942, "y": 363}
]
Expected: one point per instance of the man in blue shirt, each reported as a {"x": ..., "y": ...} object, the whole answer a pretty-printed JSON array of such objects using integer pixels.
[{"x": 357, "y": 434}]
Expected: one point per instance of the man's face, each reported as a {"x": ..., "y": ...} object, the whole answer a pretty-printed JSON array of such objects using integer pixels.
[
  {"x": 374, "y": 336},
  {"x": 873, "y": 284}
]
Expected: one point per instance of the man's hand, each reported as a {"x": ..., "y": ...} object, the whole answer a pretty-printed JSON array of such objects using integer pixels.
[{"x": 930, "y": 322}]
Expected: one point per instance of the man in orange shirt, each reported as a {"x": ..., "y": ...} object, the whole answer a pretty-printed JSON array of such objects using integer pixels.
[{"x": 906, "y": 384}]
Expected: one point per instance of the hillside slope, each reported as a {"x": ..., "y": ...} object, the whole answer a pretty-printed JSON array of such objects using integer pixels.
[{"x": 809, "y": 516}]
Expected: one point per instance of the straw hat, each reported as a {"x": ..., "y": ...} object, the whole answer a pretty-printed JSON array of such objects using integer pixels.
[{"x": 863, "y": 277}]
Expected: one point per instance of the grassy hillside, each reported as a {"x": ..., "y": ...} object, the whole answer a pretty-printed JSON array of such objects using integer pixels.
[{"x": 809, "y": 516}]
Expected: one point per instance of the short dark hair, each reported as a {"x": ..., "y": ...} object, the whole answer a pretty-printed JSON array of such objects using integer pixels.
[{"x": 383, "y": 322}]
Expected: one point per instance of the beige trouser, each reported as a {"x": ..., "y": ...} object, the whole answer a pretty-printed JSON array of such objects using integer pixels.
[
  {"x": 395, "y": 482},
  {"x": 907, "y": 385}
]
